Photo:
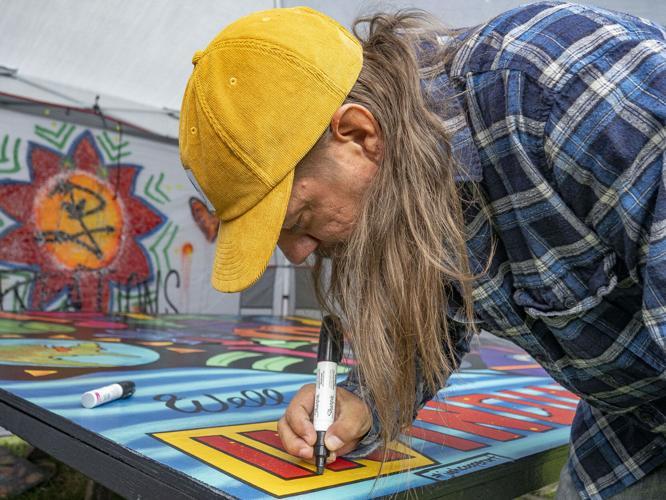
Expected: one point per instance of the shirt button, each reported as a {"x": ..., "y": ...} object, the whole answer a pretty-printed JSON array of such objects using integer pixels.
[{"x": 569, "y": 302}]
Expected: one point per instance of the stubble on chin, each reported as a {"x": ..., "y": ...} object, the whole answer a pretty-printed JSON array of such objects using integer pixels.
[{"x": 330, "y": 250}]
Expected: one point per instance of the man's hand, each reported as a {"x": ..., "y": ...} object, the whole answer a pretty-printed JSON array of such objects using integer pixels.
[{"x": 352, "y": 421}]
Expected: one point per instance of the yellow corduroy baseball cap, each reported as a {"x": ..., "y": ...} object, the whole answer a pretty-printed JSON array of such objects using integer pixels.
[{"x": 259, "y": 97}]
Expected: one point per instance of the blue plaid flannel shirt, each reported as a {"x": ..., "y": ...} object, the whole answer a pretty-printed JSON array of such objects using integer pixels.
[{"x": 564, "y": 131}]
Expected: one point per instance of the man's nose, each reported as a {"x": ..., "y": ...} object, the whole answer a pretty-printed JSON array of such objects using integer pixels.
[{"x": 297, "y": 247}]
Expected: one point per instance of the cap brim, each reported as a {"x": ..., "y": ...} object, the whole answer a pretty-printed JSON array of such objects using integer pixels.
[{"x": 245, "y": 244}]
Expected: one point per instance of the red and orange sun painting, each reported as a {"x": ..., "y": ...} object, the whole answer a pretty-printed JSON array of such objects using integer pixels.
[{"x": 78, "y": 226}]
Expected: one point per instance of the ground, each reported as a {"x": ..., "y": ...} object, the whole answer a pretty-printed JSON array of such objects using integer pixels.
[{"x": 66, "y": 483}]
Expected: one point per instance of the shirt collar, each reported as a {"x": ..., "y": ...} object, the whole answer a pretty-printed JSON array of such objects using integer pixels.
[{"x": 446, "y": 102}]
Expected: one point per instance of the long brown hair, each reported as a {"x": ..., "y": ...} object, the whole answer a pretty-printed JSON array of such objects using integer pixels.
[{"x": 392, "y": 281}]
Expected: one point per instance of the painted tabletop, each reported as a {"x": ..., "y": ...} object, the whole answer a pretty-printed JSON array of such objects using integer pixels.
[{"x": 210, "y": 389}]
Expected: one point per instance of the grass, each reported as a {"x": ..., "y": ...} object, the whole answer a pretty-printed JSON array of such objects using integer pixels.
[{"x": 66, "y": 483}]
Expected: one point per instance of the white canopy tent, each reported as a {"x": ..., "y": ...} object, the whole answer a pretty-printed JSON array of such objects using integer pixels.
[
  {"x": 136, "y": 55},
  {"x": 100, "y": 63}
]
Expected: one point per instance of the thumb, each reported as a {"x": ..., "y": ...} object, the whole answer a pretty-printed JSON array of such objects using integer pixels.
[
  {"x": 332, "y": 441},
  {"x": 352, "y": 423}
]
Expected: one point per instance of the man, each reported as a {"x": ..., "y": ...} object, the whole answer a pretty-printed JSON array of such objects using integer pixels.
[{"x": 508, "y": 177}]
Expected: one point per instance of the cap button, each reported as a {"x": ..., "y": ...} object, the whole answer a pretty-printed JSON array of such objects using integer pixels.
[{"x": 197, "y": 55}]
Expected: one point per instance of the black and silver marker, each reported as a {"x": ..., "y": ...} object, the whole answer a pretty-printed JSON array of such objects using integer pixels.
[
  {"x": 328, "y": 357},
  {"x": 96, "y": 397}
]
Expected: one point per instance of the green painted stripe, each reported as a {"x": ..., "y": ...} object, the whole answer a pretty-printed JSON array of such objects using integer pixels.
[
  {"x": 157, "y": 187},
  {"x": 105, "y": 148},
  {"x": 17, "y": 164},
  {"x": 153, "y": 247},
  {"x": 119, "y": 146},
  {"x": 275, "y": 363},
  {"x": 67, "y": 134},
  {"x": 166, "y": 247},
  {"x": 59, "y": 138},
  {"x": 3, "y": 149},
  {"x": 109, "y": 147},
  {"x": 225, "y": 359},
  {"x": 147, "y": 192}
]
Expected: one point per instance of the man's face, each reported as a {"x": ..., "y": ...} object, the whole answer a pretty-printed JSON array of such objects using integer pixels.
[
  {"x": 325, "y": 205},
  {"x": 328, "y": 190}
]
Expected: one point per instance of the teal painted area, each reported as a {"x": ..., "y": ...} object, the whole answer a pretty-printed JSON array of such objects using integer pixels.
[{"x": 72, "y": 353}]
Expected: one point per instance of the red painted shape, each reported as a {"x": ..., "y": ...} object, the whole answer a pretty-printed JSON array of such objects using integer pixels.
[
  {"x": 444, "y": 439},
  {"x": 272, "y": 438},
  {"x": 281, "y": 350},
  {"x": 269, "y": 463},
  {"x": 543, "y": 399},
  {"x": 555, "y": 415},
  {"x": 391, "y": 455},
  {"x": 231, "y": 342},
  {"x": 471, "y": 420},
  {"x": 109, "y": 325},
  {"x": 342, "y": 464},
  {"x": 89, "y": 289},
  {"x": 207, "y": 221},
  {"x": 280, "y": 332}
]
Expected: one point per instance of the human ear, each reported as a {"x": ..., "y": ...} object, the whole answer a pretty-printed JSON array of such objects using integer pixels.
[{"x": 355, "y": 123}]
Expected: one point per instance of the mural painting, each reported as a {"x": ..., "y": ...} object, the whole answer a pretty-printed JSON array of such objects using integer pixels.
[
  {"x": 210, "y": 389},
  {"x": 79, "y": 223},
  {"x": 92, "y": 220}
]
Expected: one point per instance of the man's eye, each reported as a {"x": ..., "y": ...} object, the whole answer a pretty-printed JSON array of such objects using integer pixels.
[{"x": 297, "y": 224}]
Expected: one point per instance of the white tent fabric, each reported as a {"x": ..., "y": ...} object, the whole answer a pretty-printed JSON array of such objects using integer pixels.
[
  {"x": 98, "y": 63},
  {"x": 33, "y": 95},
  {"x": 140, "y": 52}
]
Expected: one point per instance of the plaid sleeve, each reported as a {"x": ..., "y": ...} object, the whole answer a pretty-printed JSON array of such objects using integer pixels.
[
  {"x": 605, "y": 144},
  {"x": 370, "y": 442}
]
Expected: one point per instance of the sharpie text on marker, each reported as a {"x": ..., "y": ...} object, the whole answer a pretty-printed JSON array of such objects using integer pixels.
[
  {"x": 328, "y": 357},
  {"x": 96, "y": 397}
]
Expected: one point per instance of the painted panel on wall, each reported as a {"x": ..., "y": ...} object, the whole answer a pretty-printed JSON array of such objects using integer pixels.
[
  {"x": 210, "y": 389},
  {"x": 96, "y": 221}
]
